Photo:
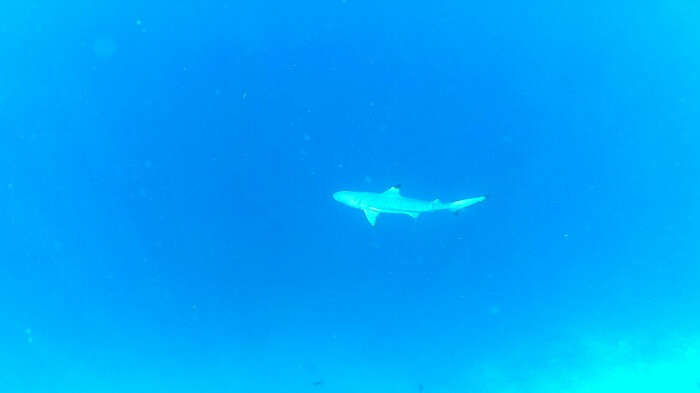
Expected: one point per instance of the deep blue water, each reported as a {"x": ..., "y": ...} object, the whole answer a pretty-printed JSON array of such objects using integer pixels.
[{"x": 166, "y": 220}]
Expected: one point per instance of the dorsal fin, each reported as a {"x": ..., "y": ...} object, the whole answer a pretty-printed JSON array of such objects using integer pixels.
[{"x": 394, "y": 190}]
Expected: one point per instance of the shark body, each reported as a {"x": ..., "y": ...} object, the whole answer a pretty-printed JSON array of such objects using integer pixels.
[{"x": 391, "y": 201}]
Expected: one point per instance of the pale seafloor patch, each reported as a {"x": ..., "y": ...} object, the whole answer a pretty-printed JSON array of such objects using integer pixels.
[
  {"x": 636, "y": 363},
  {"x": 582, "y": 363}
]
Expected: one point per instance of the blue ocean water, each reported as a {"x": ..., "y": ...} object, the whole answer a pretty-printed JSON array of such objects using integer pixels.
[{"x": 167, "y": 225}]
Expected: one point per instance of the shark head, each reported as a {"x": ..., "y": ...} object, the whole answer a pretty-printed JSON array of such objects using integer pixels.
[{"x": 347, "y": 197}]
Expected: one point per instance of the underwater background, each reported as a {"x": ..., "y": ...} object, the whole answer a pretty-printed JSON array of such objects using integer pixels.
[{"x": 167, "y": 225}]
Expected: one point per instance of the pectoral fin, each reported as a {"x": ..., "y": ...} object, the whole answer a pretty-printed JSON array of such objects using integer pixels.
[{"x": 371, "y": 216}]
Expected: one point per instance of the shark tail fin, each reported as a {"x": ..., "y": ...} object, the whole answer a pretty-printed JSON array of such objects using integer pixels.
[{"x": 456, "y": 206}]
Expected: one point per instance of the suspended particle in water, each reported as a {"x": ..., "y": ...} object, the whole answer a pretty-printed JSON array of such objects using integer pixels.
[{"x": 104, "y": 48}]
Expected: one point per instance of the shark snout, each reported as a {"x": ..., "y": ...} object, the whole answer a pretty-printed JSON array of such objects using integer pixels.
[
  {"x": 344, "y": 197},
  {"x": 340, "y": 196}
]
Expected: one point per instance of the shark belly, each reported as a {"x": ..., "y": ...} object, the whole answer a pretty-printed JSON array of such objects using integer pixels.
[
  {"x": 402, "y": 206},
  {"x": 410, "y": 207}
]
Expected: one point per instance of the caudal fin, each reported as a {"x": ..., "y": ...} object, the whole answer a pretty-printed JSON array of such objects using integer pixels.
[{"x": 459, "y": 205}]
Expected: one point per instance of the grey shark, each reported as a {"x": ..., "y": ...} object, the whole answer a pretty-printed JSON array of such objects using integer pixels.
[{"x": 391, "y": 201}]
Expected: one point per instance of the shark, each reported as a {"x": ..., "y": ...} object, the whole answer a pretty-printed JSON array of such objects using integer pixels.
[{"x": 391, "y": 201}]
